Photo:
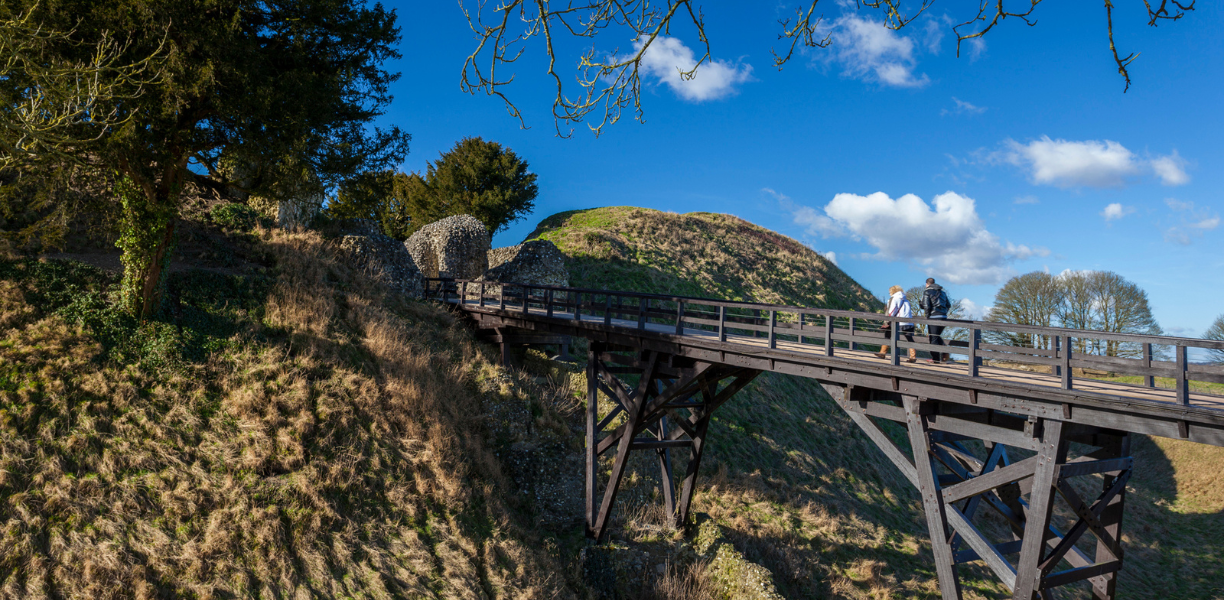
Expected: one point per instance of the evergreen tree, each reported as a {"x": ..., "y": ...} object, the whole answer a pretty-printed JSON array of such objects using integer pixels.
[
  {"x": 245, "y": 90},
  {"x": 477, "y": 178}
]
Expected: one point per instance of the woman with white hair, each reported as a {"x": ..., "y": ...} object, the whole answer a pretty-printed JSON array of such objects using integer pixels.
[{"x": 899, "y": 306}]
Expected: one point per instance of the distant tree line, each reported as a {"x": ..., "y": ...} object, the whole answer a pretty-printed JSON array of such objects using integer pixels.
[{"x": 1090, "y": 300}]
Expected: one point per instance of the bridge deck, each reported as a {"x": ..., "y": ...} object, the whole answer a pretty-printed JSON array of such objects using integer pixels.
[{"x": 992, "y": 372}]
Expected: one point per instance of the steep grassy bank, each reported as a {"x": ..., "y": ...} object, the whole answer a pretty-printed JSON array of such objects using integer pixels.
[{"x": 295, "y": 431}]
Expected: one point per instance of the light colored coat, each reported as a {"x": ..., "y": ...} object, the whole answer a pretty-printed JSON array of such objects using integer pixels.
[{"x": 899, "y": 306}]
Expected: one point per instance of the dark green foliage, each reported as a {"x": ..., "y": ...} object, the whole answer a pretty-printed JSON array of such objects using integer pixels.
[
  {"x": 252, "y": 90},
  {"x": 234, "y": 216},
  {"x": 476, "y": 178},
  {"x": 379, "y": 196},
  {"x": 210, "y": 309}
]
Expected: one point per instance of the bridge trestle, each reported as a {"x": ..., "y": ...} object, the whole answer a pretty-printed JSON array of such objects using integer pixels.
[
  {"x": 963, "y": 459},
  {"x": 669, "y": 407}
]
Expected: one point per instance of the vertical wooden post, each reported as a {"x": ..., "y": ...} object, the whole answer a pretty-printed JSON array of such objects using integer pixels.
[
  {"x": 1053, "y": 451},
  {"x": 463, "y": 293},
  {"x": 482, "y": 294},
  {"x": 1183, "y": 385},
  {"x": 802, "y": 338},
  {"x": 975, "y": 339},
  {"x": 773, "y": 322},
  {"x": 592, "y": 418},
  {"x": 679, "y": 317},
  {"x": 501, "y": 297},
  {"x": 1064, "y": 353},
  {"x": 643, "y": 307},
  {"x": 932, "y": 499},
  {"x": 548, "y": 302},
  {"x": 526, "y": 298},
  {"x": 577, "y": 298},
  {"x": 607, "y": 309},
  {"x": 722, "y": 323},
  {"x": 828, "y": 334},
  {"x": 665, "y": 475},
  {"x": 1105, "y": 586},
  {"x": 895, "y": 334},
  {"x": 853, "y": 344},
  {"x": 1149, "y": 380}
]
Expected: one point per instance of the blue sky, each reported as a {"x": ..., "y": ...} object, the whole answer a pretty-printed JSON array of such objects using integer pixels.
[{"x": 885, "y": 149}]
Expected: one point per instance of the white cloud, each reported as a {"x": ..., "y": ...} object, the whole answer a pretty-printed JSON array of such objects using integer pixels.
[
  {"x": 973, "y": 310},
  {"x": 963, "y": 107},
  {"x": 667, "y": 57},
  {"x": 1116, "y": 211},
  {"x": 831, "y": 256},
  {"x": 1029, "y": 199},
  {"x": 949, "y": 242},
  {"x": 1090, "y": 163},
  {"x": 868, "y": 50},
  {"x": 1171, "y": 169},
  {"x": 1192, "y": 222}
]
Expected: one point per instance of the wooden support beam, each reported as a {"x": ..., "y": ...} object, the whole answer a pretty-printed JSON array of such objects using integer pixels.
[
  {"x": 928, "y": 486},
  {"x": 1040, "y": 507},
  {"x": 665, "y": 467},
  {"x": 1104, "y": 587},
  {"x": 622, "y": 453}
]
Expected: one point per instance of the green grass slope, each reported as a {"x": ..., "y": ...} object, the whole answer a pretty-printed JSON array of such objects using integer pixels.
[
  {"x": 697, "y": 254},
  {"x": 796, "y": 485}
]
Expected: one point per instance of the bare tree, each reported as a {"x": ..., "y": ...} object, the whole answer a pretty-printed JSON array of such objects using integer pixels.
[
  {"x": 59, "y": 106},
  {"x": 1216, "y": 332},
  {"x": 1029, "y": 299},
  {"x": 1121, "y": 306},
  {"x": 610, "y": 81}
]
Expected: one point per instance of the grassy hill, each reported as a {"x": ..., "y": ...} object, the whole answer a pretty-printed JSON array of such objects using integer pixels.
[
  {"x": 794, "y": 483},
  {"x": 697, "y": 254},
  {"x": 293, "y": 429}
]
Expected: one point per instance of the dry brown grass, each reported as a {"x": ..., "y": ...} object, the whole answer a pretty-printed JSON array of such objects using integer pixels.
[{"x": 337, "y": 451}]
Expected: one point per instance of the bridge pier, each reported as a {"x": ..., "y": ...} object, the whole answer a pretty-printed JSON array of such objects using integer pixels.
[
  {"x": 962, "y": 458},
  {"x": 671, "y": 403}
]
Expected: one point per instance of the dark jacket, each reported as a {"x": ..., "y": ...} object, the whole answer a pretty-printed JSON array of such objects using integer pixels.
[{"x": 930, "y": 303}]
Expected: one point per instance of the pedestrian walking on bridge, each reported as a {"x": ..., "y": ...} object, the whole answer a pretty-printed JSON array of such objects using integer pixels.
[
  {"x": 899, "y": 306},
  {"x": 935, "y": 305}
]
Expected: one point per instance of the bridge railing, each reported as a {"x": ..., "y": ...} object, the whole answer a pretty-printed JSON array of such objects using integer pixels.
[{"x": 1147, "y": 360}]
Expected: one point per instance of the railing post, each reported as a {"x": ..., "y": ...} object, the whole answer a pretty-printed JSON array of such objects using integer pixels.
[
  {"x": 526, "y": 298},
  {"x": 577, "y": 298},
  {"x": 643, "y": 306},
  {"x": 1149, "y": 379},
  {"x": 773, "y": 322},
  {"x": 548, "y": 302},
  {"x": 975, "y": 338},
  {"x": 828, "y": 333},
  {"x": 894, "y": 332},
  {"x": 607, "y": 310},
  {"x": 853, "y": 344},
  {"x": 1064, "y": 351},
  {"x": 679, "y": 317},
  {"x": 463, "y": 293},
  {"x": 501, "y": 297},
  {"x": 1183, "y": 385},
  {"x": 722, "y": 323},
  {"x": 445, "y": 293},
  {"x": 802, "y": 338}
]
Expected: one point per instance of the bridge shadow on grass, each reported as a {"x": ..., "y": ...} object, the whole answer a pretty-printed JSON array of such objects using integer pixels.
[{"x": 803, "y": 492}]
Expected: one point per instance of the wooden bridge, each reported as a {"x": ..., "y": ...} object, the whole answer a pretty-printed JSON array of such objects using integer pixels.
[{"x": 1016, "y": 423}]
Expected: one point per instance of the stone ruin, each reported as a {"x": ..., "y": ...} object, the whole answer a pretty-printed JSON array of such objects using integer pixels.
[
  {"x": 381, "y": 256},
  {"x": 454, "y": 247},
  {"x": 537, "y": 262}
]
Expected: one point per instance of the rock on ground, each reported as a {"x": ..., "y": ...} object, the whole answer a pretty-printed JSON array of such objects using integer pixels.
[
  {"x": 381, "y": 256},
  {"x": 455, "y": 247},
  {"x": 537, "y": 262}
]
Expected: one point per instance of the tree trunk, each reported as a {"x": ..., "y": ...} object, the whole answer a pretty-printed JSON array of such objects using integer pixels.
[
  {"x": 147, "y": 240},
  {"x": 153, "y": 285}
]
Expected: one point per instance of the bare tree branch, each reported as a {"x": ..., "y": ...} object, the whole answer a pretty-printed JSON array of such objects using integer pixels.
[{"x": 611, "y": 83}]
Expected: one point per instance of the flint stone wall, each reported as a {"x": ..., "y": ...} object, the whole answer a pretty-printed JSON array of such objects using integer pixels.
[
  {"x": 537, "y": 262},
  {"x": 455, "y": 247},
  {"x": 381, "y": 256}
]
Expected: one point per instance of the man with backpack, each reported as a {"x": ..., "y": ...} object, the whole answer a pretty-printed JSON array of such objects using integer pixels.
[{"x": 936, "y": 305}]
